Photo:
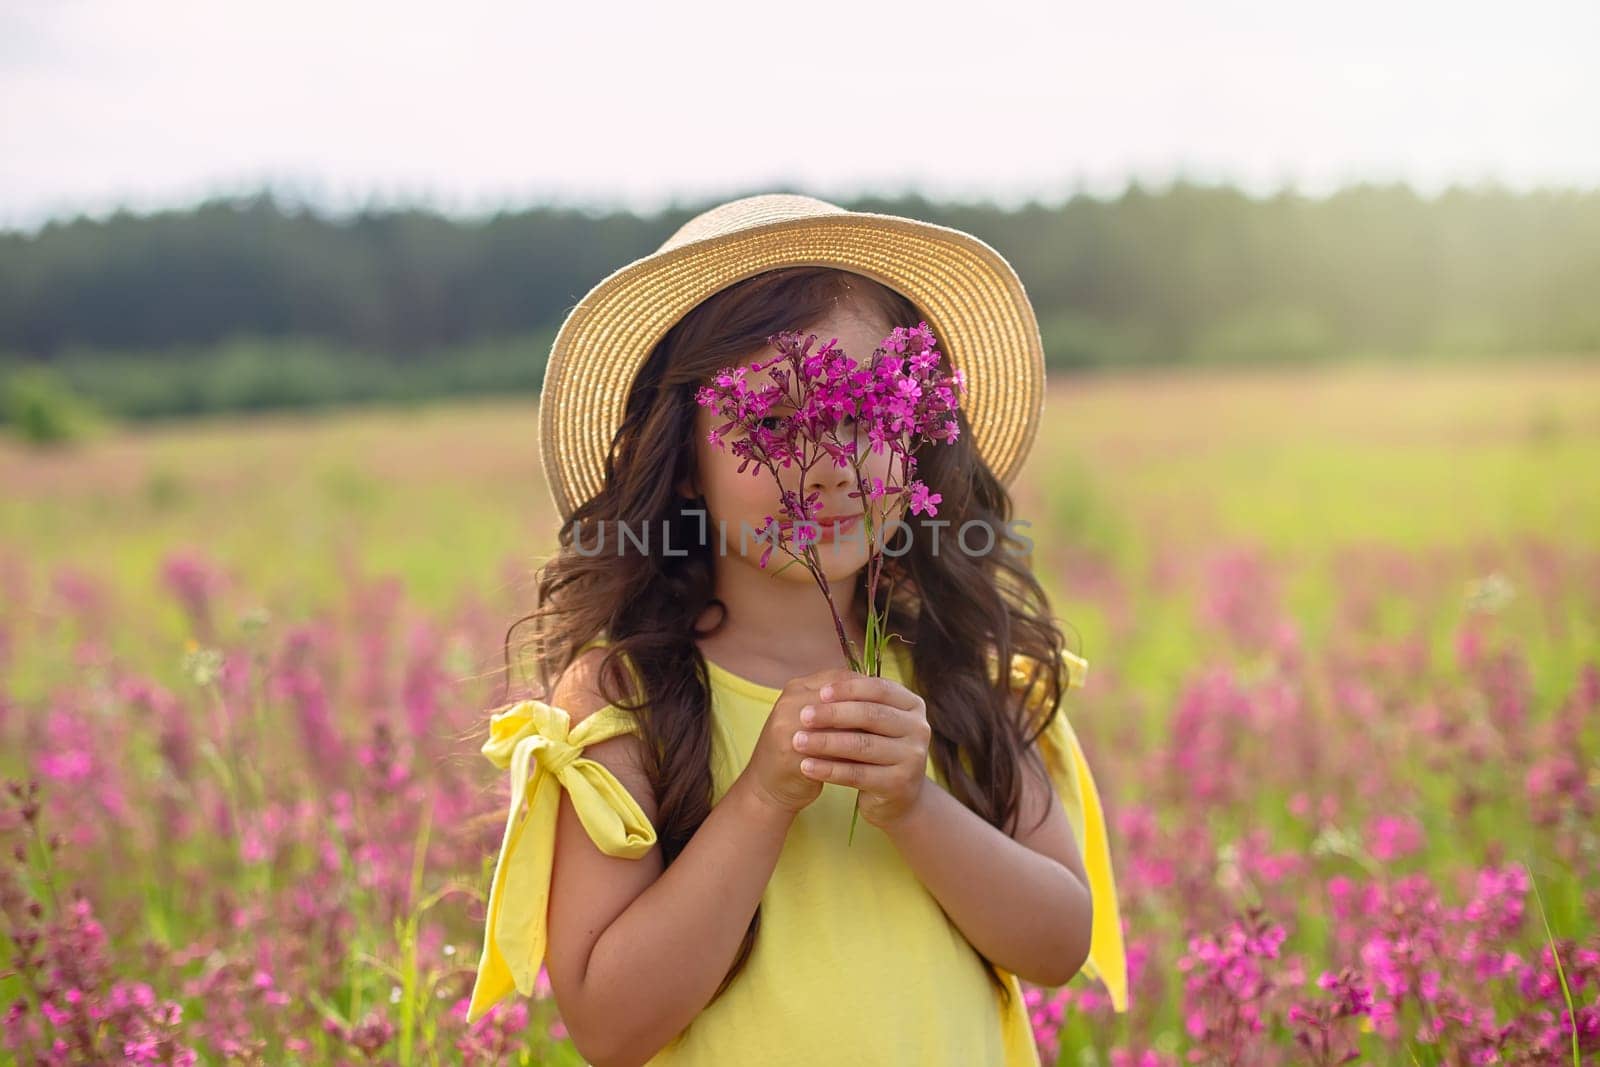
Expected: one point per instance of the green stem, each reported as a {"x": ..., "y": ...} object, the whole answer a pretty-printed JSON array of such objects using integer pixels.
[
  {"x": 408, "y": 946},
  {"x": 1561, "y": 973}
]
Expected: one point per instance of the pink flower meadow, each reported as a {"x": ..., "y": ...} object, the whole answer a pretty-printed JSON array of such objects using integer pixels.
[{"x": 263, "y": 838}]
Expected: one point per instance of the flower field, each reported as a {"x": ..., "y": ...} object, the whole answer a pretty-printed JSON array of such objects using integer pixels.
[{"x": 1344, "y": 709}]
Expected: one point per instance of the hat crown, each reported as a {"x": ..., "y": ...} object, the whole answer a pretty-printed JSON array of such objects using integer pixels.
[{"x": 748, "y": 212}]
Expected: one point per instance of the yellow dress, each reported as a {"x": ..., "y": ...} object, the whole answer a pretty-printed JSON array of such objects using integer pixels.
[{"x": 854, "y": 962}]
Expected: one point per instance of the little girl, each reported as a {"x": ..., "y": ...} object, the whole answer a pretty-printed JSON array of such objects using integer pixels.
[{"x": 678, "y": 854}]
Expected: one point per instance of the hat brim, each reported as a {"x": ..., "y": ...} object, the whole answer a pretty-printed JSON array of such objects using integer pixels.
[{"x": 972, "y": 300}]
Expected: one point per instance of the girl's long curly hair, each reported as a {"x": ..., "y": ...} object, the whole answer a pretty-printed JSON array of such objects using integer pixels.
[{"x": 948, "y": 604}]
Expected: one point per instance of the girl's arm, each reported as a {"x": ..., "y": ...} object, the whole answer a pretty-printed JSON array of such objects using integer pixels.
[
  {"x": 636, "y": 951},
  {"x": 1023, "y": 902}
]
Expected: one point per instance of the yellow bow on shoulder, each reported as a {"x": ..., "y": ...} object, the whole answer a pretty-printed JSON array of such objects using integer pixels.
[
  {"x": 540, "y": 734},
  {"x": 1074, "y": 783}
]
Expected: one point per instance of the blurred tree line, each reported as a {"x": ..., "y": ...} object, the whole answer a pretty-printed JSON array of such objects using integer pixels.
[{"x": 262, "y": 303}]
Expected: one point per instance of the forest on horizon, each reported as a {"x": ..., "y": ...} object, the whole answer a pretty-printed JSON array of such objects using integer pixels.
[{"x": 259, "y": 302}]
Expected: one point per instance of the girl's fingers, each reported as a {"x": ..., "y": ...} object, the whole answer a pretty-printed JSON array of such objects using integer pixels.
[
  {"x": 867, "y": 777},
  {"x": 849, "y": 745},
  {"x": 867, "y": 715},
  {"x": 879, "y": 690}
]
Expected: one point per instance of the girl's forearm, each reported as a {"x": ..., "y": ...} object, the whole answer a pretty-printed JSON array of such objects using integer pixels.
[
  {"x": 659, "y": 962},
  {"x": 1022, "y": 910}
]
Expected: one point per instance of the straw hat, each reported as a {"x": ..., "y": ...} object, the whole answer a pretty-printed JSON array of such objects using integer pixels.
[{"x": 972, "y": 299}]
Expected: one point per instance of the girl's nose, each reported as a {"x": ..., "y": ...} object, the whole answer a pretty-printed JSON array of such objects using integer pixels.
[{"x": 826, "y": 477}]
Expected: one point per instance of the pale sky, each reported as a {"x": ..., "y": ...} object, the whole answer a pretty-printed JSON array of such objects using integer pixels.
[{"x": 469, "y": 106}]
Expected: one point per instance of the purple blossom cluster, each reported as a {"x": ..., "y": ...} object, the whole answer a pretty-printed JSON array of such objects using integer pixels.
[
  {"x": 74, "y": 1009},
  {"x": 898, "y": 399}
]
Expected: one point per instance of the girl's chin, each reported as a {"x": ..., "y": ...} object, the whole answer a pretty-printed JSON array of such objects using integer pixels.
[{"x": 843, "y": 561}]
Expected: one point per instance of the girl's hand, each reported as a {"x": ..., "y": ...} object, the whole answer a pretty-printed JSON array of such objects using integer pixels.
[
  {"x": 870, "y": 734},
  {"x": 773, "y": 773}
]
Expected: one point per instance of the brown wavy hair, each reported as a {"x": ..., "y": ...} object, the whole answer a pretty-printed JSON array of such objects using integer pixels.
[{"x": 948, "y": 605}]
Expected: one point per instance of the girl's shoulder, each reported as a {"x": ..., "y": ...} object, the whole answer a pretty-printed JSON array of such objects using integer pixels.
[
  {"x": 590, "y": 657},
  {"x": 1026, "y": 675},
  {"x": 578, "y": 690}
]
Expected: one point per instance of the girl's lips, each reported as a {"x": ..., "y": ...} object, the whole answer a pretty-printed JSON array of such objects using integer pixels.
[
  {"x": 825, "y": 527},
  {"x": 844, "y": 525}
]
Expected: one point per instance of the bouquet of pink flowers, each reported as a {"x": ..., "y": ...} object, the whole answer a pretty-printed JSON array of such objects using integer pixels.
[{"x": 897, "y": 400}]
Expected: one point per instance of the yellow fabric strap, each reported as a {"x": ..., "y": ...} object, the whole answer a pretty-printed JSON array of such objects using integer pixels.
[
  {"x": 544, "y": 753},
  {"x": 1074, "y": 783}
]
